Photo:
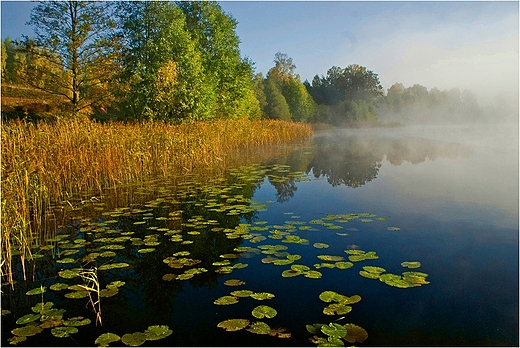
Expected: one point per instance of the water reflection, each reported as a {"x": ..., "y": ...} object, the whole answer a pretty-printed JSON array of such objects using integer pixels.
[{"x": 354, "y": 159}]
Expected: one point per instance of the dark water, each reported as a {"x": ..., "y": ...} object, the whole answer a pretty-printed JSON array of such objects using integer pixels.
[{"x": 452, "y": 192}]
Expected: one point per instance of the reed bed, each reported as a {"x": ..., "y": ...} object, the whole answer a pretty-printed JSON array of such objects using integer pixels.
[{"x": 44, "y": 163}]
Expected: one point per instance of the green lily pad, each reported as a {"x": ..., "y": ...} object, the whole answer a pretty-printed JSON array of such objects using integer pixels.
[
  {"x": 336, "y": 309},
  {"x": 76, "y": 321},
  {"x": 27, "y": 330},
  {"x": 234, "y": 282},
  {"x": 313, "y": 274},
  {"x": 350, "y": 299},
  {"x": 105, "y": 339},
  {"x": 77, "y": 294},
  {"x": 63, "y": 331},
  {"x": 116, "y": 283},
  {"x": 344, "y": 264},
  {"x": 320, "y": 245},
  {"x": 289, "y": 273},
  {"x": 233, "y": 324},
  {"x": 374, "y": 269},
  {"x": 330, "y": 258},
  {"x": 264, "y": 312},
  {"x": 393, "y": 229},
  {"x": 242, "y": 293},
  {"x": 281, "y": 262},
  {"x": 225, "y": 300},
  {"x": 314, "y": 328},
  {"x": 334, "y": 330},
  {"x": 262, "y": 296},
  {"x": 42, "y": 307},
  {"x": 113, "y": 266},
  {"x": 66, "y": 260},
  {"x": 259, "y": 328},
  {"x": 28, "y": 318},
  {"x": 134, "y": 339},
  {"x": 355, "y": 333},
  {"x": 411, "y": 264},
  {"x": 69, "y": 273},
  {"x": 369, "y": 275},
  {"x": 157, "y": 332},
  {"x": 37, "y": 291},
  {"x": 108, "y": 292},
  {"x": 330, "y": 296},
  {"x": 146, "y": 250},
  {"x": 59, "y": 286}
]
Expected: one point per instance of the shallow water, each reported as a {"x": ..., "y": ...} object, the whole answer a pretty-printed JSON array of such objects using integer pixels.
[{"x": 452, "y": 193}]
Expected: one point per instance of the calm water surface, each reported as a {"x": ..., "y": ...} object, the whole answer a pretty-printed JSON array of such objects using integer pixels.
[{"x": 444, "y": 196}]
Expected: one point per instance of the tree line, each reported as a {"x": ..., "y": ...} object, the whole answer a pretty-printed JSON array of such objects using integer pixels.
[{"x": 181, "y": 61}]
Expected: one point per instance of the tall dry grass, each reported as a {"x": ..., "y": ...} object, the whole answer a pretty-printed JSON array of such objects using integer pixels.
[{"x": 44, "y": 163}]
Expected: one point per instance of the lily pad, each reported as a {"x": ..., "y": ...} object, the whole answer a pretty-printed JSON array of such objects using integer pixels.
[
  {"x": 262, "y": 296},
  {"x": 242, "y": 293},
  {"x": 344, "y": 264},
  {"x": 157, "y": 332},
  {"x": 77, "y": 294},
  {"x": 264, "y": 312},
  {"x": 225, "y": 300},
  {"x": 314, "y": 328},
  {"x": 37, "y": 291},
  {"x": 313, "y": 274},
  {"x": 105, "y": 339},
  {"x": 411, "y": 264},
  {"x": 108, "y": 292},
  {"x": 334, "y": 330},
  {"x": 42, "y": 307},
  {"x": 329, "y": 296},
  {"x": 113, "y": 266},
  {"x": 76, "y": 321},
  {"x": 289, "y": 273},
  {"x": 69, "y": 273},
  {"x": 336, "y": 309},
  {"x": 63, "y": 331},
  {"x": 59, "y": 286},
  {"x": 374, "y": 269},
  {"x": 233, "y": 324},
  {"x": 259, "y": 328},
  {"x": 134, "y": 339},
  {"x": 320, "y": 245},
  {"x": 28, "y": 318},
  {"x": 234, "y": 282},
  {"x": 355, "y": 333},
  {"x": 27, "y": 330},
  {"x": 330, "y": 258}
]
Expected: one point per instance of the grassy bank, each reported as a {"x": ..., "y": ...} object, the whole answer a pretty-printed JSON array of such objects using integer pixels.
[{"x": 44, "y": 163}]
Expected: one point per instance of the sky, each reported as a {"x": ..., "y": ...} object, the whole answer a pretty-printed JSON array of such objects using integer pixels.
[{"x": 467, "y": 45}]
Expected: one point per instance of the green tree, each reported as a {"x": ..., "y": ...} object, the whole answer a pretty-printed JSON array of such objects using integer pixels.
[
  {"x": 162, "y": 72},
  {"x": 276, "y": 105},
  {"x": 229, "y": 75},
  {"x": 73, "y": 38},
  {"x": 288, "y": 84}
]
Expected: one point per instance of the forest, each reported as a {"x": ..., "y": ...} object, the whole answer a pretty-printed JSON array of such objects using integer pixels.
[{"x": 180, "y": 61}]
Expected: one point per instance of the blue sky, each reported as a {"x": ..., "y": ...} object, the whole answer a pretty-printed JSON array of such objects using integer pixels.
[{"x": 469, "y": 45}]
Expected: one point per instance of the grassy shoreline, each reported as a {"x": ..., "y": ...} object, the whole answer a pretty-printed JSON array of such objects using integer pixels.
[{"x": 44, "y": 163}]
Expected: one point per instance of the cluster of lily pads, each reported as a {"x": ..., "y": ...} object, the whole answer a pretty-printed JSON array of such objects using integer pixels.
[
  {"x": 105, "y": 237},
  {"x": 259, "y": 312},
  {"x": 406, "y": 280},
  {"x": 333, "y": 331}
]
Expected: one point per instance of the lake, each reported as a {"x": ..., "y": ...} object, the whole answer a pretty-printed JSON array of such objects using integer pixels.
[{"x": 408, "y": 235}]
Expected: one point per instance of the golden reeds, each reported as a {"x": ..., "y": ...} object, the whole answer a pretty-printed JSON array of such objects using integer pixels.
[{"x": 44, "y": 163}]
